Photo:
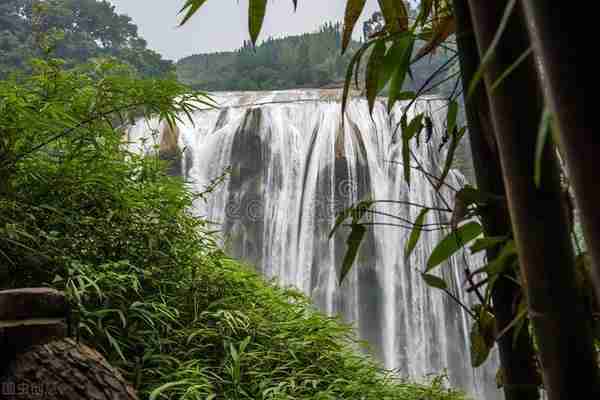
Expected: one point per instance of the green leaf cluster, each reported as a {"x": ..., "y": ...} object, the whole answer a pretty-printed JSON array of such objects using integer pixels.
[{"x": 74, "y": 30}]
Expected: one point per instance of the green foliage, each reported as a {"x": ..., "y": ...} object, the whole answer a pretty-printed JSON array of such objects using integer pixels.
[
  {"x": 409, "y": 131},
  {"x": 256, "y": 16},
  {"x": 434, "y": 281},
  {"x": 309, "y": 60},
  {"x": 151, "y": 289},
  {"x": 415, "y": 234},
  {"x": 483, "y": 336},
  {"x": 353, "y": 10},
  {"x": 355, "y": 239},
  {"x": 221, "y": 331},
  {"x": 452, "y": 243},
  {"x": 88, "y": 29},
  {"x": 65, "y": 175}
]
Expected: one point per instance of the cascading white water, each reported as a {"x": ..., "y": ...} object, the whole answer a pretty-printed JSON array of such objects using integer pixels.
[{"x": 293, "y": 167}]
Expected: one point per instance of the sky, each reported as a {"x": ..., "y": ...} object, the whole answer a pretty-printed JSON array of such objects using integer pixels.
[{"x": 221, "y": 25}]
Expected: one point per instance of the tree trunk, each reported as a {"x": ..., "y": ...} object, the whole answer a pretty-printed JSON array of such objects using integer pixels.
[
  {"x": 63, "y": 370},
  {"x": 520, "y": 377},
  {"x": 563, "y": 55},
  {"x": 538, "y": 218}
]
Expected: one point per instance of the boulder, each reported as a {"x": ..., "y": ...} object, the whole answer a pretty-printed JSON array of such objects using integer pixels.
[{"x": 63, "y": 370}]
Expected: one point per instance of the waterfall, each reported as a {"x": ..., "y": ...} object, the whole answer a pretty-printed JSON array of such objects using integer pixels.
[{"x": 292, "y": 167}]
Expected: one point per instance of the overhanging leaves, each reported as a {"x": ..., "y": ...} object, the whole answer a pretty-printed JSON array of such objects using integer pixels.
[
  {"x": 452, "y": 243},
  {"x": 191, "y": 6},
  {"x": 465, "y": 198},
  {"x": 355, "y": 212},
  {"x": 353, "y": 10},
  {"x": 483, "y": 335},
  {"x": 487, "y": 243},
  {"x": 256, "y": 16},
  {"x": 395, "y": 15},
  {"x": 399, "y": 53},
  {"x": 408, "y": 132},
  {"x": 434, "y": 281},
  {"x": 354, "y": 241},
  {"x": 374, "y": 70},
  {"x": 354, "y": 64},
  {"x": 415, "y": 234},
  {"x": 456, "y": 136},
  {"x": 451, "y": 116},
  {"x": 445, "y": 27}
]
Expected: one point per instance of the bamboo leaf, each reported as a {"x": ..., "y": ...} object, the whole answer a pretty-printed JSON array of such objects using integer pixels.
[
  {"x": 512, "y": 67},
  {"x": 343, "y": 216},
  {"x": 402, "y": 51},
  {"x": 470, "y": 195},
  {"x": 521, "y": 321},
  {"x": 479, "y": 348},
  {"x": 521, "y": 314},
  {"x": 503, "y": 260},
  {"x": 157, "y": 393},
  {"x": 373, "y": 72},
  {"x": 387, "y": 69},
  {"x": 256, "y": 16},
  {"x": 487, "y": 243},
  {"x": 354, "y": 63},
  {"x": 114, "y": 344},
  {"x": 390, "y": 63},
  {"x": 464, "y": 198},
  {"x": 452, "y": 243},
  {"x": 191, "y": 6},
  {"x": 353, "y": 10},
  {"x": 425, "y": 12},
  {"x": 451, "y": 116},
  {"x": 456, "y": 137},
  {"x": 405, "y": 151},
  {"x": 434, "y": 281},
  {"x": 408, "y": 132},
  {"x": 356, "y": 213},
  {"x": 395, "y": 15},
  {"x": 459, "y": 212},
  {"x": 354, "y": 241},
  {"x": 483, "y": 336},
  {"x": 444, "y": 28},
  {"x": 415, "y": 234}
]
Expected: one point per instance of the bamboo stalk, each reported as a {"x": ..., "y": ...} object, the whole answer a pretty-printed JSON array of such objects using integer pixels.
[
  {"x": 520, "y": 378},
  {"x": 538, "y": 218}
]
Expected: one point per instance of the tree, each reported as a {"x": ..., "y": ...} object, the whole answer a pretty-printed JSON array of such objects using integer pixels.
[
  {"x": 519, "y": 371},
  {"x": 89, "y": 28},
  {"x": 555, "y": 40},
  {"x": 547, "y": 261}
]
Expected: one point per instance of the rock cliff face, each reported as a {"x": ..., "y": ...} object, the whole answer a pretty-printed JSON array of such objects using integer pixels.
[
  {"x": 161, "y": 137},
  {"x": 169, "y": 149}
]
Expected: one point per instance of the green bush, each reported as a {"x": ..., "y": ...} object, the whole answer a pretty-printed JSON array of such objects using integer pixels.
[{"x": 150, "y": 288}]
